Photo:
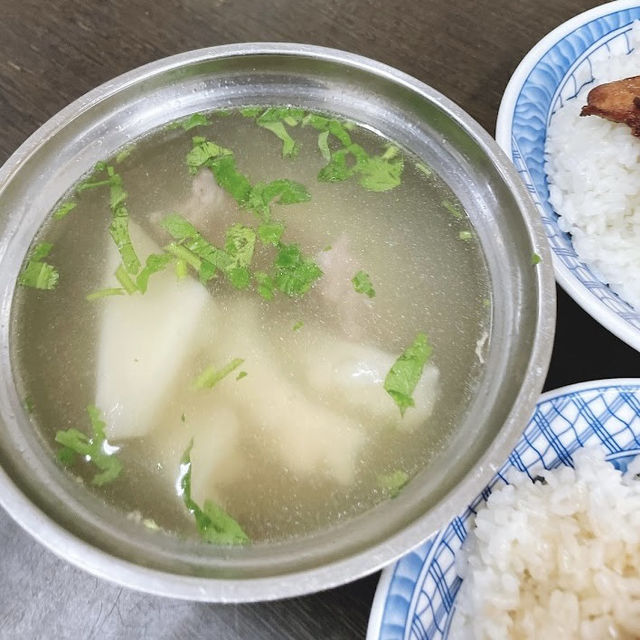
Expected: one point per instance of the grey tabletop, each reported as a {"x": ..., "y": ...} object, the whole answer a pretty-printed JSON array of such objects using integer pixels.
[{"x": 51, "y": 53}]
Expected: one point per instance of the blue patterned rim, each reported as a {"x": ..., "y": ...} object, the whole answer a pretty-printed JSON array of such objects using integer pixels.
[
  {"x": 415, "y": 599},
  {"x": 552, "y": 73}
]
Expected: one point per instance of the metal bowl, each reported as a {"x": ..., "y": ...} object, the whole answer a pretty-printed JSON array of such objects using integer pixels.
[{"x": 47, "y": 502}]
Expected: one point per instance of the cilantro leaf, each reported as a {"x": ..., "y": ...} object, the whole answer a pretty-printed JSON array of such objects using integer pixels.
[
  {"x": 266, "y": 285},
  {"x": 105, "y": 293},
  {"x": 405, "y": 373},
  {"x": 535, "y": 259},
  {"x": 38, "y": 274},
  {"x": 453, "y": 209},
  {"x": 95, "y": 449},
  {"x": 239, "y": 244},
  {"x": 203, "y": 153},
  {"x": 125, "y": 280},
  {"x": 465, "y": 235},
  {"x": 251, "y": 112},
  {"x": 323, "y": 145},
  {"x": 242, "y": 374},
  {"x": 64, "y": 209},
  {"x": 297, "y": 326},
  {"x": 125, "y": 153},
  {"x": 378, "y": 173},
  {"x": 279, "y": 192},
  {"x": 293, "y": 273},
  {"x": 270, "y": 232},
  {"x": 214, "y": 524},
  {"x": 155, "y": 262},
  {"x": 195, "y": 120},
  {"x": 289, "y": 147},
  {"x": 211, "y": 376},
  {"x": 392, "y": 483},
  {"x": 337, "y": 169},
  {"x": 362, "y": 284},
  {"x": 230, "y": 179}
]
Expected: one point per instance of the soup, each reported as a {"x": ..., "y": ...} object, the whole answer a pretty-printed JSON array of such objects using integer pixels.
[{"x": 251, "y": 325}]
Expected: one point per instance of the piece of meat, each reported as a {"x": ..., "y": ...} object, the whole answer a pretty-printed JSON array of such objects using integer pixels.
[{"x": 618, "y": 101}]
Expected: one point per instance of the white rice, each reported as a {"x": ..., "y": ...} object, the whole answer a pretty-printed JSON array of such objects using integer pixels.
[
  {"x": 593, "y": 168},
  {"x": 559, "y": 560}
]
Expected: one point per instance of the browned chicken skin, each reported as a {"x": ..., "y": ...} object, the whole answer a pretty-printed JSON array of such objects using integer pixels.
[{"x": 617, "y": 101}]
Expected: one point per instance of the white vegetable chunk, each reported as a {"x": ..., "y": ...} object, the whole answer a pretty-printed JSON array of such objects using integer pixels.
[
  {"x": 144, "y": 343},
  {"x": 216, "y": 456},
  {"x": 352, "y": 376},
  {"x": 306, "y": 436}
]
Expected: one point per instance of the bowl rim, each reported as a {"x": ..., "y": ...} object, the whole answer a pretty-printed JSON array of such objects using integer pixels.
[
  {"x": 379, "y": 603},
  {"x": 605, "y": 316},
  {"x": 334, "y": 573}
]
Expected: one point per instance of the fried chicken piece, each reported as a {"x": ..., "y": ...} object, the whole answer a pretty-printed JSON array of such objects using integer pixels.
[{"x": 618, "y": 101}]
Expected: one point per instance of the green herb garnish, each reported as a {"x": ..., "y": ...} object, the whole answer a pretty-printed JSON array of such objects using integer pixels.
[
  {"x": 297, "y": 326},
  {"x": 453, "y": 209},
  {"x": 37, "y": 273},
  {"x": 362, "y": 284},
  {"x": 465, "y": 235},
  {"x": 105, "y": 293},
  {"x": 242, "y": 374},
  {"x": 125, "y": 153},
  {"x": 535, "y": 259},
  {"x": 211, "y": 376},
  {"x": 95, "y": 449},
  {"x": 406, "y": 371},
  {"x": 195, "y": 120},
  {"x": 293, "y": 273},
  {"x": 64, "y": 209},
  {"x": 155, "y": 262},
  {"x": 392, "y": 483},
  {"x": 424, "y": 169},
  {"x": 265, "y": 283},
  {"x": 214, "y": 524}
]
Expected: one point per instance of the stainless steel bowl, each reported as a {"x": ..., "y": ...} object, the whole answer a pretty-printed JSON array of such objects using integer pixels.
[{"x": 77, "y": 526}]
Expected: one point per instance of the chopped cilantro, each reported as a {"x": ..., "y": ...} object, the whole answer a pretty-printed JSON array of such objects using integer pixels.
[
  {"x": 119, "y": 227},
  {"x": 380, "y": 173},
  {"x": 155, "y": 262},
  {"x": 393, "y": 482},
  {"x": 323, "y": 145},
  {"x": 405, "y": 373},
  {"x": 125, "y": 280},
  {"x": 181, "y": 269},
  {"x": 424, "y": 169},
  {"x": 453, "y": 209},
  {"x": 270, "y": 232},
  {"x": 297, "y": 326},
  {"x": 28, "y": 404},
  {"x": 465, "y": 235},
  {"x": 211, "y": 376},
  {"x": 63, "y": 209},
  {"x": 293, "y": 273},
  {"x": 289, "y": 147},
  {"x": 535, "y": 259},
  {"x": 242, "y": 374},
  {"x": 203, "y": 153},
  {"x": 337, "y": 169},
  {"x": 230, "y": 179},
  {"x": 104, "y": 293},
  {"x": 214, "y": 524},
  {"x": 125, "y": 153},
  {"x": 278, "y": 191},
  {"x": 37, "y": 273},
  {"x": 266, "y": 285},
  {"x": 362, "y": 284},
  {"x": 251, "y": 112},
  {"x": 195, "y": 120},
  {"x": 328, "y": 248},
  {"x": 95, "y": 449}
]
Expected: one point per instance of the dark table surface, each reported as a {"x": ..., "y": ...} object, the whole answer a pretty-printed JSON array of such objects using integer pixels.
[{"x": 51, "y": 53}]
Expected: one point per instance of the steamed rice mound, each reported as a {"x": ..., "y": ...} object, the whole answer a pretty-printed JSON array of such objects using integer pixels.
[
  {"x": 555, "y": 560},
  {"x": 593, "y": 170}
]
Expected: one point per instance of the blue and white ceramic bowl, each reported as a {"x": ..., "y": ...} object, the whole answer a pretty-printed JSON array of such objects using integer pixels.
[
  {"x": 553, "y": 72},
  {"x": 416, "y": 597}
]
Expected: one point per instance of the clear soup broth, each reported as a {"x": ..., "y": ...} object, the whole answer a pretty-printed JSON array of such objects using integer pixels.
[{"x": 292, "y": 352}]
